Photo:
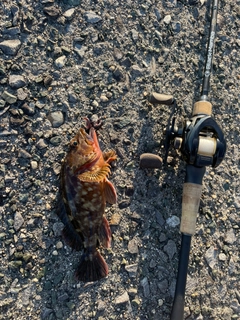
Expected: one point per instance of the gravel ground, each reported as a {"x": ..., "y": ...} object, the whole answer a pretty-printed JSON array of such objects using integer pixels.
[{"x": 63, "y": 60}]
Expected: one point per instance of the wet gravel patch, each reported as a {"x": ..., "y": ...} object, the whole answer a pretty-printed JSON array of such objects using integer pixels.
[{"x": 63, "y": 60}]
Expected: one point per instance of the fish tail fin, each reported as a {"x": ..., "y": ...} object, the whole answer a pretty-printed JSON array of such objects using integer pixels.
[
  {"x": 72, "y": 238},
  {"x": 92, "y": 267},
  {"x": 105, "y": 233}
]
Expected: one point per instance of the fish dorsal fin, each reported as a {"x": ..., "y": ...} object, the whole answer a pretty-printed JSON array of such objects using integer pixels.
[
  {"x": 110, "y": 192},
  {"x": 96, "y": 175},
  {"x": 109, "y": 156}
]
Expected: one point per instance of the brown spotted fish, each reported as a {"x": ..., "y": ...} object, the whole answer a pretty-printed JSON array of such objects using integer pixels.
[{"x": 85, "y": 188}]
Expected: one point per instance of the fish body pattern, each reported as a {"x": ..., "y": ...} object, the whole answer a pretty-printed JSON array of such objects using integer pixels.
[{"x": 85, "y": 189}]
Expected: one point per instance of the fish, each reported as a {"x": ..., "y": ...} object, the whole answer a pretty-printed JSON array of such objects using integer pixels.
[{"x": 84, "y": 191}]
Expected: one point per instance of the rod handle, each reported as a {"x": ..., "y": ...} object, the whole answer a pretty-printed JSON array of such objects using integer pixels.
[{"x": 190, "y": 205}]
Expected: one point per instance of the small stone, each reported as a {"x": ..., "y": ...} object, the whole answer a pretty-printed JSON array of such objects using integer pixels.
[
  {"x": 55, "y": 140},
  {"x": 163, "y": 286},
  {"x": 145, "y": 285},
  {"x": 24, "y": 154},
  {"x": 170, "y": 248},
  {"x": 135, "y": 35},
  {"x": 103, "y": 98},
  {"x": 230, "y": 237},
  {"x": 57, "y": 228},
  {"x": 115, "y": 219},
  {"x": 211, "y": 257},
  {"x": 133, "y": 246},
  {"x": 60, "y": 62},
  {"x": 8, "y": 97},
  {"x": 21, "y": 94},
  {"x": 56, "y": 118},
  {"x": 34, "y": 165},
  {"x": 173, "y": 221},
  {"x": 222, "y": 257},
  {"x": 16, "y": 81},
  {"x": 18, "y": 221},
  {"x": 28, "y": 109},
  {"x": 69, "y": 14},
  {"x": 52, "y": 11},
  {"x": 136, "y": 71},
  {"x": 132, "y": 270},
  {"x": 54, "y": 253},
  {"x": 59, "y": 245},
  {"x": 167, "y": 19},
  {"x": 124, "y": 298},
  {"x": 10, "y": 47},
  {"x": 41, "y": 144},
  {"x": 92, "y": 17},
  {"x": 117, "y": 54}
]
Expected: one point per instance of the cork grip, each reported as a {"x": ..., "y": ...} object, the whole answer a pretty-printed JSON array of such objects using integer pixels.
[
  {"x": 202, "y": 107},
  {"x": 190, "y": 205}
]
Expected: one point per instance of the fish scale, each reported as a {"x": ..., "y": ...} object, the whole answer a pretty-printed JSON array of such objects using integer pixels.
[{"x": 85, "y": 188}]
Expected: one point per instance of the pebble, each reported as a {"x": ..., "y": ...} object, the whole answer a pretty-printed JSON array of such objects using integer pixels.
[
  {"x": 170, "y": 248},
  {"x": 173, "y": 221},
  {"x": 211, "y": 257},
  {"x": 133, "y": 246},
  {"x": 167, "y": 19},
  {"x": 10, "y": 47},
  {"x": 24, "y": 154},
  {"x": 34, "y": 165},
  {"x": 122, "y": 299},
  {"x": 56, "y": 118},
  {"x": 230, "y": 237},
  {"x": 69, "y": 14},
  {"x": 28, "y": 109},
  {"x": 21, "y": 94},
  {"x": 16, "y": 81},
  {"x": 41, "y": 144},
  {"x": 136, "y": 71},
  {"x": 92, "y": 17},
  {"x": 132, "y": 270},
  {"x": 8, "y": 97},
  {"x": 146, "y": 289},
  {"x": 59, "y": 245},
  {"x": 61, "y": 61},
  {"x": 222, "y": 257},
  {"x": 18, "y": 221}
]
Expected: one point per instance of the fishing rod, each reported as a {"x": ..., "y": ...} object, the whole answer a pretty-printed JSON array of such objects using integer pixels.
[{"x": 201, "y": 143}]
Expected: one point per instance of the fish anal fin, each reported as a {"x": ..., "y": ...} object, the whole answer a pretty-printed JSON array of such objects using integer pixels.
[
  {"x": 110, "y": 192},
  {"x": 92, "y": 267},
  {"x": 72, "y": 238},
  {"x": 105, "y": 234}
]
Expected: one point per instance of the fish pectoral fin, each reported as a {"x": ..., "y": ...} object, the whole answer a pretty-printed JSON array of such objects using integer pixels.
[
  {"x": 97, "y": 175},
  {"x": 109, "y": 156},
  {"x": 110, "y": 192}
]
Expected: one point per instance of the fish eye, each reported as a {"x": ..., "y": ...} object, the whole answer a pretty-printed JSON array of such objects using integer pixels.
[{"x": 74, "y": 144}]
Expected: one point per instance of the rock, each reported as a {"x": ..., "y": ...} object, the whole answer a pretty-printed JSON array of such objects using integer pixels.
[
  {"x": 16, "y": 81},
  {"x": 159, "y": 218},
  {"x": 55, "y": 140},
  {"x": 56, "y": 118},
  {"x": 69, "y": 14},
  {"x": 18, "y": 221},
  {"x": 173, "y": 221},
  {"x": 211, "y": 257},
  {"x": 132, "y": 270},
  {"x": 52, "y": 11},
  {"x": 21, "y": 94},
  {"x": 41, "y": 144},
  {"x": 145, "y": 285},
  {"x": 92, "y": 17},
  {"x": 170, "y": 248},
  {"x": 34, "y": 165},
  {"x": 60, "y": 62},
  {"x": 124, "y": 298},
  {"x": 167, "y": 19},
  {"x": 8, "y": 97},
  {"x": 163, "y": 285},
  {"x": 230, "y": 237},
  {"x": 28, "y": 109},
  {"x": 24, "y": 154},
  {"x": 136, "y": 71},
  {"x": 135, "y": 35},
  {"x": 10, "y": 47},
  {"x": 133, "y": 246},
  {"x": 81, "y": 51}
]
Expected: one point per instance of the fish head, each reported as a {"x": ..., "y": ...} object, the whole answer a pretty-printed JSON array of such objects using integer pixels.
[{"x": 84, "y": 150}]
